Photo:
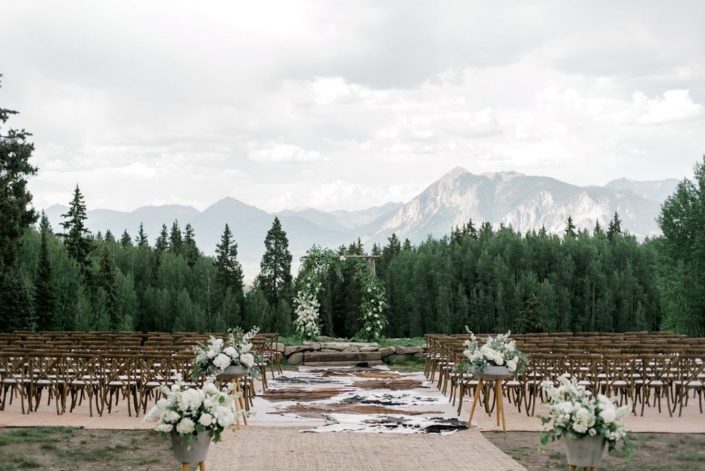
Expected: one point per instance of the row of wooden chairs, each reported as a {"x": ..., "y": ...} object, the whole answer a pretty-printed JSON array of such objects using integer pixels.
[
  {"x": 103, "y": 373},
  {"x": 634, "y": 369}
]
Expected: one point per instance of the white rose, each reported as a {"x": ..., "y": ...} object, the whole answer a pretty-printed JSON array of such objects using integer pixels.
[
  {"x": 186, "y": 426},
  {"x": 206, "y": 420}
]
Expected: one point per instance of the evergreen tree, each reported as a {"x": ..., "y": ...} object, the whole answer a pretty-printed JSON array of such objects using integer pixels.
[
  {"x": 162, "y": 243},
  {"x": 257, "y": 310},
  {"x": 614, "y": 227},
  {"x": 228, "y": 269},
  {"x": 141, "y": 239},
  {"x": 275, "y": 278},
  {"x": 76, "y": 235},
  {"x": 175, "y": 239},
  {"x": 570, "y": 229},
  {"x": 45, "y": 292},
  {"x": 15, "y": 199},
  {"x": 16, "y": 303},
  {"x": 191, "y": 251},
  {"x": 109, "y": 237},
  {"x": 125, "y": 239},
  {"x": 597, "y": 231},
  {"x": 107, "y": 283}
]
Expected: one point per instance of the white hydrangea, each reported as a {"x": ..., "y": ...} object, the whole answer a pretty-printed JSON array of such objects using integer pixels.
[
  {"x": 222, "y": 361},
  {"x": 247, "y": 359},
  {"x": 205, "y": 420},
  {"x": 186, "y": 426}
]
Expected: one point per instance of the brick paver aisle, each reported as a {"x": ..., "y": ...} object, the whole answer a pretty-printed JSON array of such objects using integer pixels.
[{"x": 288, "y": 449}]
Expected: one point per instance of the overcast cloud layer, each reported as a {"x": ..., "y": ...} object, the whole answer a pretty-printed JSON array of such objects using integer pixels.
[{"x": 347, "y": 104}]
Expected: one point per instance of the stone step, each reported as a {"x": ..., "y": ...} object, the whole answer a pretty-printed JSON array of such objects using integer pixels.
[{"x": 349, "y": 358}]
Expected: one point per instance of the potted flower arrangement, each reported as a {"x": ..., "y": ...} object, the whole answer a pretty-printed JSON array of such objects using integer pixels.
[
  {"x": 585, "y": 423},
  {"x": 233, "y": 355},
  {"x": 192, "y": 417},
  {"x": 498, "y": 358}
]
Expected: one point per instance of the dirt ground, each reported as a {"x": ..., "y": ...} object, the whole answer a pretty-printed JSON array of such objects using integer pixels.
[
  {"x": 69, "y": 449},
  {"x": 652, "y": 452}
]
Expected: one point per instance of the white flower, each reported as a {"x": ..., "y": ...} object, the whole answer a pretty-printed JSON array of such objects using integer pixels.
[
  {"x": 171, "y": 416},
  {"x": 248, "y": 360},
  {"x": 186, "y": 426},
  {"x": 222, "y": 361},
  {"x": 230, "y": 351},
  {"x": 609, "y": 415},
  {"x": 164, "y": 428},
  {"x": 206, "y": 420},
  {"x": 211, "y": 353},
  {"x": 512, "y": 364},
  {"x": 210, "y": 388},
  {"x": 342, "y": 258}
]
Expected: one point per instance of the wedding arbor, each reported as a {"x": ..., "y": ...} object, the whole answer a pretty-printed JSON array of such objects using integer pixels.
[{"x": 316, "y": 265}]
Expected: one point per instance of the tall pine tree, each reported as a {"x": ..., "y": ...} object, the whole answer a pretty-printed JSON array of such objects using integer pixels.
[
  {"x": 16, "y": 215},
  {"x": 228, "y": 269},
  {"x": 76, "y": 235},
  {"x": 275, "y": 278},
  {"x": 44, "y": 284}
]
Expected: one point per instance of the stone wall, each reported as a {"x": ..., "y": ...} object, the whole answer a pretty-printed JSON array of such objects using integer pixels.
[{"x": 349, "y": 351}]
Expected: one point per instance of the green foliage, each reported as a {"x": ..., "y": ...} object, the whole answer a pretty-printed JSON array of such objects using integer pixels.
[
  {"x": 15, "y": 198},
  {"x": 275, "y": 278},
  {"x": 76, "y": 234},
  {"x": 682, "y": 255}
]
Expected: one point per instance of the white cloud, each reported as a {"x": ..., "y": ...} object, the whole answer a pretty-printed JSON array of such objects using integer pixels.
[
  {"x": 347, "y": 105},
  {"x": 280, "y": 153}
]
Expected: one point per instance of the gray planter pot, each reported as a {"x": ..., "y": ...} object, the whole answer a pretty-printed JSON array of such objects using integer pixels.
[
  {"x": 495, "y": 372},
  {"x": 195, "y": 451},
  {"x": 585, "y": 452},
  {"x": 236, "y": 370}
]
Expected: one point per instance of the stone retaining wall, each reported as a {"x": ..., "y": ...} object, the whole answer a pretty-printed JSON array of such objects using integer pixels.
[{"x": 294, "y": 354}]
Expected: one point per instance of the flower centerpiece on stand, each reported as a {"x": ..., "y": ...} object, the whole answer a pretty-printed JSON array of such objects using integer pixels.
[
  {"x": 497, "y": 358},
  {"x": 192, "y": 417},
  {"x": 233, "y": 355},
  {"x": 585, "y": 423}
]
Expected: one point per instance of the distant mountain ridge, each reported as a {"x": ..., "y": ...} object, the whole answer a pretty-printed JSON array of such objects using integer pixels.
[{"x": 526, "y": 202}]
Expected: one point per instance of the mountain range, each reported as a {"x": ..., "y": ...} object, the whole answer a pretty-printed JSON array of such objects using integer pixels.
[{"x": 526, "y": 202}]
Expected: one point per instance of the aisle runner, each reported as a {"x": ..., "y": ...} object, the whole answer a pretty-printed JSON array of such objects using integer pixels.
[{"x": 356, "y": 400}]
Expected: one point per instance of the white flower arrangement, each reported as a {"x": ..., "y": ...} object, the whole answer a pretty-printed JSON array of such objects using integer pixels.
[
  {"x": 216, "y": 355},
  {"x": 188, "y": 411},
  {"x": 306, "y": 323},
  {"x": 372, "y": 306},
  {"x": 573, "y": 410},
  {"x": 498, "y": 351}
]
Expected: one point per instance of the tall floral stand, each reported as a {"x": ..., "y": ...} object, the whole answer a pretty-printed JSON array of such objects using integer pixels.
[
  {"x": 191, "y": 452},
  {"x": 495, "y": 374},
  {"x": 233, "y": 375}
]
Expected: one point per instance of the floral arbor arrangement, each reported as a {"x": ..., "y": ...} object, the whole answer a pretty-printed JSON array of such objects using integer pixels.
[
  {"x": 315, "y": 266},
  {"x": 192, "y": 417},
  {"x": 585, "y": 423},
  {"x": 234, "y": 354},
  {"x": 494, "y": 361}
]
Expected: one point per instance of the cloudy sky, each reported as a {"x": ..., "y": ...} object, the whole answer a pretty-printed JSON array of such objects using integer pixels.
[{"x": 347, "y": 104}]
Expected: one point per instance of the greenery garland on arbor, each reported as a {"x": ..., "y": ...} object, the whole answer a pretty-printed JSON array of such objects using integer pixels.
[{"x": 316, "y": 265}]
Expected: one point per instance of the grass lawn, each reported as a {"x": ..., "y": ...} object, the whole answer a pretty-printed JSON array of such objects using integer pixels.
[
  {"x": 652, "y": 452},
  {"x": 64, "y": 448}
]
